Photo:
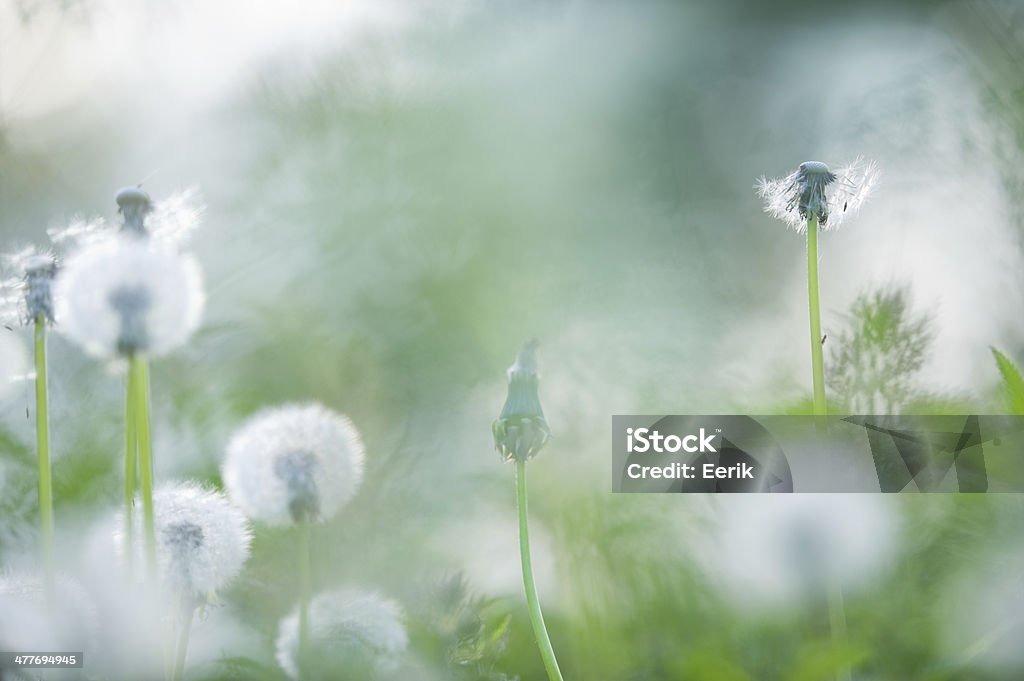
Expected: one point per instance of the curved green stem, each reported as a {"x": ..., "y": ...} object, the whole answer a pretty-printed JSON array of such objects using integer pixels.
[
  {"x": 305, "y": 595},
  {"x": 139, "y": 377},
  {"x": 817, "y": 364},
  {"x": 540, "y": 632},
  {"x": 43, "y": 450}
]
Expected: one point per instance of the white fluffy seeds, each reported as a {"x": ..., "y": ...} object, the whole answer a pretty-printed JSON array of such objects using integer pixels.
[
  {"x": 348, "y": 628},
  {"x": 202, "y": 539},
  {"x": 293, "y": 463},
  {"x": 813, "y": 188},
  {"x": 128, "y": 294}
]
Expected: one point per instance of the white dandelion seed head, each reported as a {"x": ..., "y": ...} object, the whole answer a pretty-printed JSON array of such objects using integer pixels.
[
  {"x": 293, "y": 462},
  {"x": 27, "y": 624},
  {"x": 202, "y": 538},
  {"x": 127, "y": 294},
  {"x": 348, "y": 627},
  {"x": 814, "y": 189}
]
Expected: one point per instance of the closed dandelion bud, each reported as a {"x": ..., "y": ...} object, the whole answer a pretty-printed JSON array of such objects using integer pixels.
[
  {"x": 350, "y": 629},
  {"x": 134, "y": 205},
  {"x": 202, "y": 539},
  {"x": 521, "y": 430},
  {"x": 813, "y": 190},
  {"x": 128, "y": 295},
  {"x": 294, "y": 463}
]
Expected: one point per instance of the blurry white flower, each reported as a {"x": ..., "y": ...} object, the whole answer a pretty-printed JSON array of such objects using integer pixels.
[
  {"x": 293, "y": 463},
  {"x": 349, "y": 628},
  {"x": 202, "y": 539},
  {"x": 813, "y": 189},
  {"x": 129, "y": 295},
  {"x": 25, "y": 623},
  {"x": 778, "y": 549},
  {"x": 984, "y": 622},
  {"x": 13, "y": 361}
]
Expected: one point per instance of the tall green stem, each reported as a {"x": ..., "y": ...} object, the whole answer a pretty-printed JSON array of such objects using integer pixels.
[
  {"x": 131, "y": 454},
  {"x": 139, "y": 379},
  {"x": 837, "y": 625},
  {"x": 184, "y": 616},
  {"x": 540, "y": 632},
  {"x": 817, "y": 364},
  {"x": 43, "y": 450},
  {"x": 305, "y": 595}
]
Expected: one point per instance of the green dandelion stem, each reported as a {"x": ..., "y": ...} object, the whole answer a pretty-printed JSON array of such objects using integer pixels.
[
  {"x": 185, "y": 615},
  {"x": 131, "y": 454},
  {"x": 43, "y": 450},
  {"x": 305, "y": 595},
  {"x": 817, "y": 363},
  {"x": 139, "y": 379},
  {"x": 547, "y": 653},
  {"x": 837, "y": 626}
]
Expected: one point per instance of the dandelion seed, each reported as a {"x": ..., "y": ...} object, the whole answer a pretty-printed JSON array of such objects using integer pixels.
[
  {"x": 202, "y": 539},
  {"x": 294, "y": 463},
  {"x": 349, "y": 629},
  {"x": 128, "y": 296},
  {"x": 174, "y": 219},
  {"x": 815, "y": 190}
]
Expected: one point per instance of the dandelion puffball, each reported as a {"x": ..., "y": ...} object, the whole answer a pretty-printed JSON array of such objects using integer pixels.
[
  {"x": 815, "y": 190},
  {"x": 202, "y": 539},
  {"x": 26, "y": 623},
  {"x": 293, "y": 463},
  {"x": 129, "y": 294},
  {"x": 349, "y": 628}
]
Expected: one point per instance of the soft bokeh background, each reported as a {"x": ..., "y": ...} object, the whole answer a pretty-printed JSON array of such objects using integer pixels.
[{"x": 397, "y": 194}]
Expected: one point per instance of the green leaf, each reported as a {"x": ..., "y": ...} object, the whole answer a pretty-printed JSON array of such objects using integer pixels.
[{"x": 1013, "y": 383}]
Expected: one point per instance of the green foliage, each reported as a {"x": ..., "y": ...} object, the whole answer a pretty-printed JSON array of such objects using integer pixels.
[{"x": 1013, "y": 383}]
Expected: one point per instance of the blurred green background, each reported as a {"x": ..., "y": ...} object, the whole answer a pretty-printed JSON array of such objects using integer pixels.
[{"x": 397, "y": 194}]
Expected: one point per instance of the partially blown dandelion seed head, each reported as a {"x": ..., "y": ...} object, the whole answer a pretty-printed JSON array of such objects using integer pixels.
[
  {"x": 349, "y": 628},
  {"x": 26, "y": 293},
  {"x": 293, "y": 463},
  {"x": 814, "y": 190},
  {"x": 129, "y": 295},
  {"x": 521, "y": 430},
  {"x": 202, "y": 539}
]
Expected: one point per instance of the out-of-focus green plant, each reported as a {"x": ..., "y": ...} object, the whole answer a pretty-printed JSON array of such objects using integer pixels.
[{"x": 1013, "y": 383}]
